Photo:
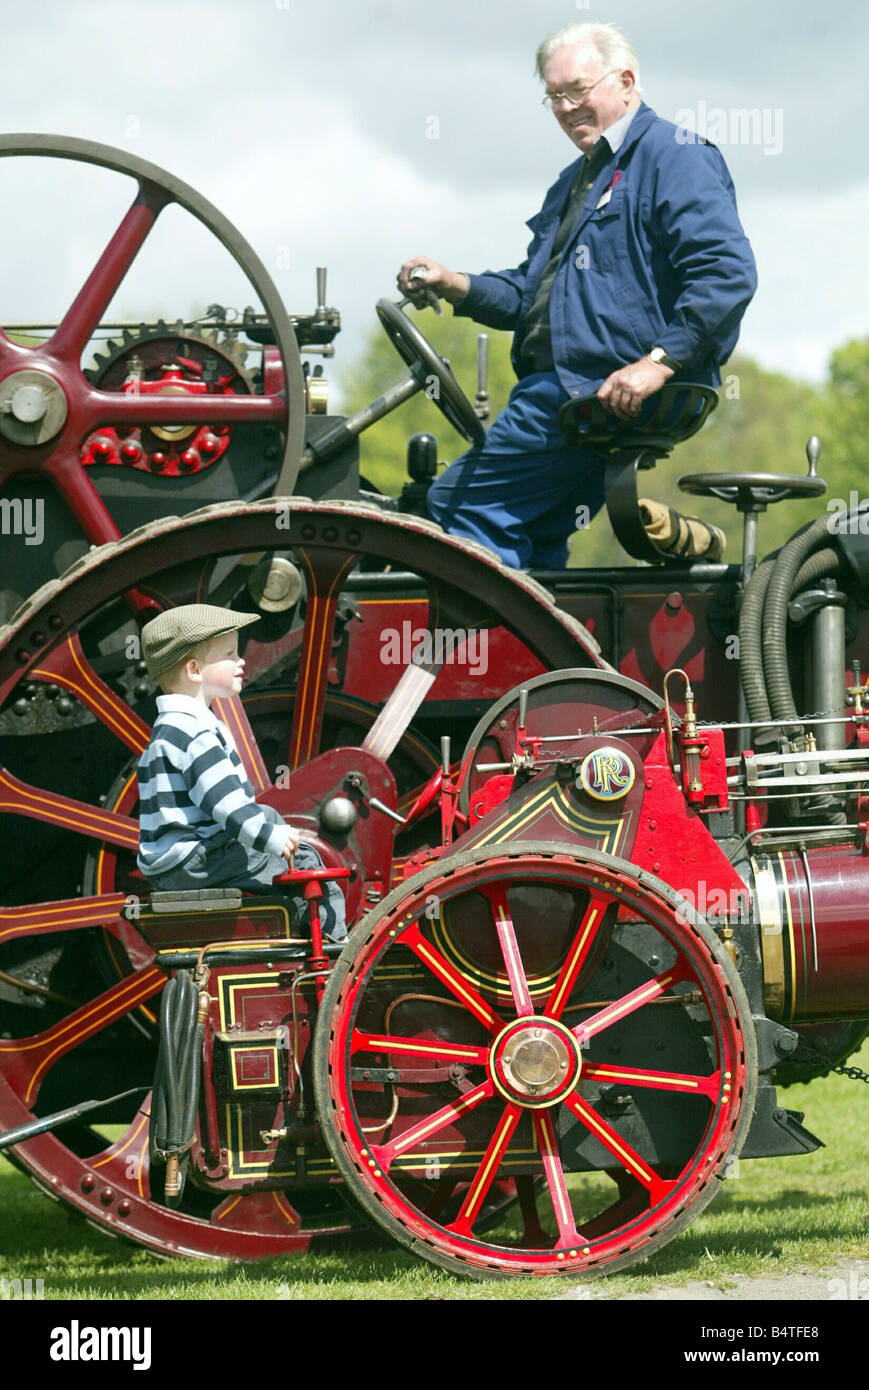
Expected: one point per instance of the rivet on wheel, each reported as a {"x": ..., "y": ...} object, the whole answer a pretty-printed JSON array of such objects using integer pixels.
[
  {"x": 506, "y": 1059},
  {"x": 371, "y": 1163},
  {"x": 561, "y": 1254},
  {"x": 562, "y": 1066},
  {"x": 538, "y": 1032},
  {"x": 573, "y": 1254},
  {"x": 586, "y": 1250}
]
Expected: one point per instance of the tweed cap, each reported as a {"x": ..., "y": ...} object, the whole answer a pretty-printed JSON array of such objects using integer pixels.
[{"x": 173, "y": 636}]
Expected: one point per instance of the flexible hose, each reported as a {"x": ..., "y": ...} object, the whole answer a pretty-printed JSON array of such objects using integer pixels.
[
  {"x": 750, "y": 642},
  {"x": 178, "y": 1073},
  {"x": 775, "y": 620}
]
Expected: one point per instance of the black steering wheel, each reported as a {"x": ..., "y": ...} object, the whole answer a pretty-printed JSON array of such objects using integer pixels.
[{"x": 425, "y": 363}]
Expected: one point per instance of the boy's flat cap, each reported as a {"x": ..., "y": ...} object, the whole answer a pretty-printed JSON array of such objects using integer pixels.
[{"x": 172, "y": 636}]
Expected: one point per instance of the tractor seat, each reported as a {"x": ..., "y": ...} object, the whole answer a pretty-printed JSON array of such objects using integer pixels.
[
  {"x": 666, "y": 419},
  {"x": 672, "y": 415}
]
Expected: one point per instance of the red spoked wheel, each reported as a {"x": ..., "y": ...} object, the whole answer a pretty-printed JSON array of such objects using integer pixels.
[
  {"x": 67, "y": 1031},
  {"x": 50, "y": 408},
  {"x": 545, "y": 1015}
]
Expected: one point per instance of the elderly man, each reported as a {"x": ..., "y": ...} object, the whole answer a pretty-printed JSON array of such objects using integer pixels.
[{"x": 638, "y": 271}]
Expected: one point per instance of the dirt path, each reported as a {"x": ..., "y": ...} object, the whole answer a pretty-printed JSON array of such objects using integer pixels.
[{"x": 837, "y": 1283}]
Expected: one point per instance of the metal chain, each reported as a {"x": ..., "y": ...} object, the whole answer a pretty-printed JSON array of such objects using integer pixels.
[{"x": 839, "y": 1068}]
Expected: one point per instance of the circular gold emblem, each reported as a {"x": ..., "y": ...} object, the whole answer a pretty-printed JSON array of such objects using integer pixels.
[{"x": 607, "y": 774}]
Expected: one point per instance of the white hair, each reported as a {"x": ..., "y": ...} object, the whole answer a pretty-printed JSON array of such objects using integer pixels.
[{"x": 610, "y": 42}]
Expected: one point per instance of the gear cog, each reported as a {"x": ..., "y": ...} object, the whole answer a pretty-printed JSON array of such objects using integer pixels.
[{"x": 159, "y": 359}]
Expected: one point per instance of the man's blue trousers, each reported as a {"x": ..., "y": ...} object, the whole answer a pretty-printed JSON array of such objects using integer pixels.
[{"x": 521, "y": 491}]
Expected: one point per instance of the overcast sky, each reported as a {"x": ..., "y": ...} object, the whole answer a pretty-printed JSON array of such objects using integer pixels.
[{"x": 310, "y": 126}]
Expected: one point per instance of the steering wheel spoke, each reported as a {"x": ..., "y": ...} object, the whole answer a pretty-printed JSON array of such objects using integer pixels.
[{"x": 428, "y": 367}]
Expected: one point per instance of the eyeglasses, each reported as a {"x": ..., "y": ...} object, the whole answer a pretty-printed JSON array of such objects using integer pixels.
[{"x": 575, "y": 95}]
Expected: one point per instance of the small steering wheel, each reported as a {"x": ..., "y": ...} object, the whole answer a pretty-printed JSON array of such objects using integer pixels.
[{"x": 425, "y": 364}]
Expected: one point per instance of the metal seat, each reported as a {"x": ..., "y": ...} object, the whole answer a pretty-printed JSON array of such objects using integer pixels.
[{"x": 672, "y": 415}]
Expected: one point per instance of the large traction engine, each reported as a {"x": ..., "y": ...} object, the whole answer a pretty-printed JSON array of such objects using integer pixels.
[{"x": 593, "y": 928}]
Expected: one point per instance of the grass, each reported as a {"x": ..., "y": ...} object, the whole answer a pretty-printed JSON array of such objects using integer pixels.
[{"x": 777, "y": 1216}]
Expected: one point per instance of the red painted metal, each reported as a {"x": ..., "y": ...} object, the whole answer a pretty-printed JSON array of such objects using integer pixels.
[
  {"x": 826, "y": 972},
  {"x": 479, "y": 1136}
]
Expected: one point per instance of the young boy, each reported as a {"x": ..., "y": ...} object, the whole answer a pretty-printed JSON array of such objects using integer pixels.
[{"x": 199, "y": 823}]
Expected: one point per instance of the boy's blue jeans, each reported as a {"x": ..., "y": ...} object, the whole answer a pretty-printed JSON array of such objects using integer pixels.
[{"x": 225, "y": 865}]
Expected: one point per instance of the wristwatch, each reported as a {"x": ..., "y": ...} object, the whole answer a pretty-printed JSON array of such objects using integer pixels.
[{"x": 659, "y": 354}]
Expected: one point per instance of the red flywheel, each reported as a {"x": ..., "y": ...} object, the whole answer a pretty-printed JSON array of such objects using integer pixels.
[{"x": 550, "y": 1016}]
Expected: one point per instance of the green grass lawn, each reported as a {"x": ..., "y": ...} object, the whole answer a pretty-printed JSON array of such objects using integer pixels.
[{"x": 777, "y": 1215}]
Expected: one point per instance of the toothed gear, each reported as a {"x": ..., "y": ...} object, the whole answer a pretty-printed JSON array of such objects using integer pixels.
[{"x": 165, "y": 359}]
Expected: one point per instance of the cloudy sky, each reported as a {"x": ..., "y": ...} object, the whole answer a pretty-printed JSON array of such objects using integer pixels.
[{"x": 356, "y": 134}]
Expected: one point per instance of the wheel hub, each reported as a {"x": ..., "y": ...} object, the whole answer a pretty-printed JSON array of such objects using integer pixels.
[
  {"x": 33, "y": 407},
  {"x": 535, "y": 1061}
]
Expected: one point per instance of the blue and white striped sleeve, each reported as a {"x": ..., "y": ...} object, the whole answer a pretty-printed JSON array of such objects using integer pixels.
[{"x": 220, "y": 790}]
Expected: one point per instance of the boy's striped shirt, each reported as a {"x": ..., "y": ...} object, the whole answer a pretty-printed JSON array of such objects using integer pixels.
[{"x": 193, "y": 789}]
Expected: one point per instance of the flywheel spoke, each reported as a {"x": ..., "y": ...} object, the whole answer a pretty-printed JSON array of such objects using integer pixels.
[
  {"x": 629, "y": 1003},
  {"x": 234, "y": 715},
  {"x": 628, "y": 1157},
  {"x": 21, "y": 799},
  {"x": 548, "y": 1144},
  {"x": 67, "y": 666},
  {"x": 83, "y": 315},
  {"x": 68, "y": 914},
  {"x": 577, "y": 955},
  {"x": 497, "y": 895},
  {"x": 385, "y": 1154},
  {"x": 25, "y": 1061},
  {"x": 487, "y": 1171},
  {"x": 325, "y": 572},
  {"x": 189, "y": 408}
]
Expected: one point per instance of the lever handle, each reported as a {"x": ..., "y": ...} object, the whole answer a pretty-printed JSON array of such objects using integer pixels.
[
  {"x": 523, "y": 707},
  {"x": 445, "y": 754},
  {"x": 813, "y": 453},
  {"x": 321, "y": 291}
]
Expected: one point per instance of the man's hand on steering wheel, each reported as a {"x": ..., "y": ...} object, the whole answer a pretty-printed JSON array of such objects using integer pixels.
[
  {"x": 624, "y": 391},
  {"x": 451, "y": 285}
]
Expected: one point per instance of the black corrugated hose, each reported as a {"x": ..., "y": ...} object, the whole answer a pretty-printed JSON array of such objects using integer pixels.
[
  {"x": 775, "y": 621},
  {"x": 763, "y": 637},
  {"x": 178, "y": 1075}
]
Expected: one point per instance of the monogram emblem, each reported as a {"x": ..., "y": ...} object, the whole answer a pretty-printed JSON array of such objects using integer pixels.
[{"x": 607, "y": 774}]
